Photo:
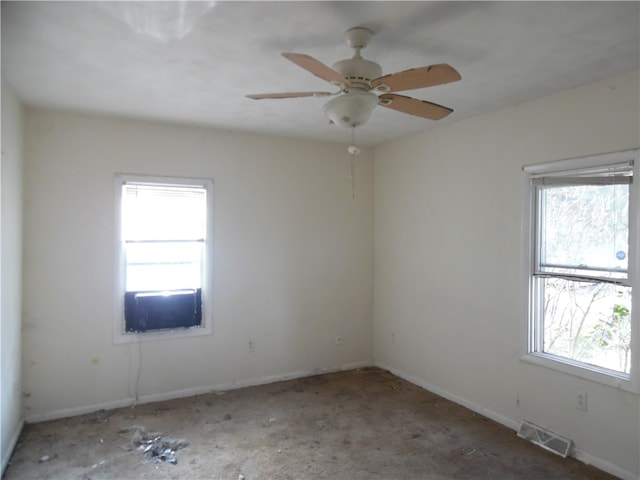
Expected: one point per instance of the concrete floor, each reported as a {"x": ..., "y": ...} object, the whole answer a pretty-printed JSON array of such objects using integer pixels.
[{"x": 361, "y": 424}]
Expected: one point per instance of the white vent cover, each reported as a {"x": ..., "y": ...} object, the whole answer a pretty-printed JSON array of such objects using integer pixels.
[{"x": 544, "y": 438}]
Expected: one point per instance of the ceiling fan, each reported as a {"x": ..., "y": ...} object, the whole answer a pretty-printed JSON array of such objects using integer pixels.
[{"x": 360, "y": 81}]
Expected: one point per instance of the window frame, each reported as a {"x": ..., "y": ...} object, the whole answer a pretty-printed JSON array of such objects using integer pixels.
[
  {"x": 533, "y": 322},
  {"x": 120, "y": 335}
]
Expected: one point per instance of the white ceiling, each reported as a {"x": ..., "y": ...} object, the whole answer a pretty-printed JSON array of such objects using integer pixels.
[{"x": 194, "y": 62}]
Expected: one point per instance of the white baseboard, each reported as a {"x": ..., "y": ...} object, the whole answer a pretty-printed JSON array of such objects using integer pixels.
[
  {"x": 188, "y": 392},
  {"x": 578, "y": 454},
  {"x": 603, "y": 465},
  {"x": 6, "y": 455},
  {"x": 501, "y": 419}
]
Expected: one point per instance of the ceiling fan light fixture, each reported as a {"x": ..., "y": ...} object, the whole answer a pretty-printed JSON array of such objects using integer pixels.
[
  {"x": 351, "y": 109},
  {"x": 361, "y": 81}
]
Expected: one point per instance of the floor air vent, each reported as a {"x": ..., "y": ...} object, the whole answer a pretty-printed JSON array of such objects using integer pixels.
[{"x": 544, "y": 438}]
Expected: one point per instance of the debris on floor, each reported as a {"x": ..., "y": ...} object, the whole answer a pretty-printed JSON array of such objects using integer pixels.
[{"x": 155, "y": 447}]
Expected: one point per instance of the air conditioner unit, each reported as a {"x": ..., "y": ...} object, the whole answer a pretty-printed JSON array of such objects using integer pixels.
[{"x": 146, "y": 311}]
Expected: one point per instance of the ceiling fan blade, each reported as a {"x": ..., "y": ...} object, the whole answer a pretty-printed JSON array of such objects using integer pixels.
[
  {"x": 261, "y": 96},
  {"x": 317, "y": 68},
  {"x": 416, "y": 78},
  {"x": 413, "y": 106}
]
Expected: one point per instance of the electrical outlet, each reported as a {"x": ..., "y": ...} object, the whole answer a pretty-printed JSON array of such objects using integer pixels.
[
  {"x": 252, "y": 346},
  {"x": 581, "y": 400}
]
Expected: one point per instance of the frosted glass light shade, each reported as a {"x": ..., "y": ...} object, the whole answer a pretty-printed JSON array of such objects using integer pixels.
[{"x": 351, "y": 109}]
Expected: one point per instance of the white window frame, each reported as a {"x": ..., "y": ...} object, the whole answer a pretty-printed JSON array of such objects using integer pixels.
[
  {"x": 630, "y": 382},
  {"x": 206, "y": 327}
]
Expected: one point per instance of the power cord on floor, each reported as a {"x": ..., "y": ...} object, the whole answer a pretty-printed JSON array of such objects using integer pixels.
[{"x": 139, "y": 370}]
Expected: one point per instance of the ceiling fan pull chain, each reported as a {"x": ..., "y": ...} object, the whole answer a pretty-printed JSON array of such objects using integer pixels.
[
  {"x": 353, "y": 176},
  {"x": 353, "y": 151}
]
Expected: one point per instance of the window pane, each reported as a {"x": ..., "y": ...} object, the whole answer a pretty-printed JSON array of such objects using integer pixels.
[
  {"x": 162, "y": 212},
  {"x": 587, "y": 322},
  {"x": 163, "y": 266},
  {"x": 584, "y": 230}
]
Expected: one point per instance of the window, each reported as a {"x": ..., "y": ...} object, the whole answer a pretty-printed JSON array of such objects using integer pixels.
[
  {"x": 164, "y": 246},
  {"x": 583, "y": 267}
]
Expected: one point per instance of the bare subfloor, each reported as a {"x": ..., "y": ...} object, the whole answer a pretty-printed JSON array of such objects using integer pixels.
[{"x": 362, "y": 424}]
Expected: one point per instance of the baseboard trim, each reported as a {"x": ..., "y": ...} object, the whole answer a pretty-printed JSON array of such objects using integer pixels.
[
  {"x": 188, "y": 392},
  {"x": 6, "y": 455},
  {"x": 507, "y": 422},
  {"x": 578, "y": 454},
  {"x": 603, "y": 465}
]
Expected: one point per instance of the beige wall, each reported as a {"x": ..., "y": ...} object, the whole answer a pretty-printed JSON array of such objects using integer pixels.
[
  {"x": 11, "y": 270},
  {"x": 449, "y": 297},
  {"x": 293, "y": 261}
]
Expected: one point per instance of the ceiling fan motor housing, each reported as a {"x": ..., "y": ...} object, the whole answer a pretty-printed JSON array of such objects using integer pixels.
[{"x": 358, "y": 71}]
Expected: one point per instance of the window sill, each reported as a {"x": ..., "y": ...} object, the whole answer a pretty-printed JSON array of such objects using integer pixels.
[
  {"x": 620, "y": 381},
  {"x": 157, "y": 335}
]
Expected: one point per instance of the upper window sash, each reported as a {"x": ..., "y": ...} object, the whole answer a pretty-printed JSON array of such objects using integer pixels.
[
  {"x": 146, "y": 206},
  {"x": 620, "y": 173}
]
